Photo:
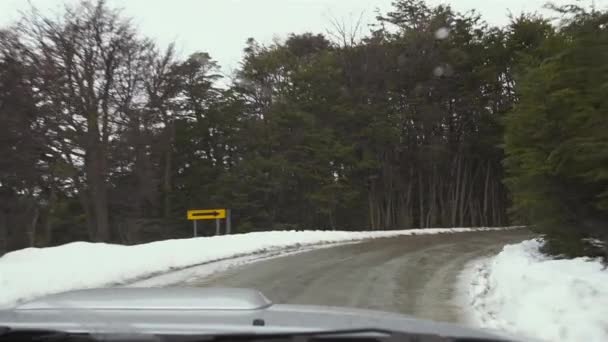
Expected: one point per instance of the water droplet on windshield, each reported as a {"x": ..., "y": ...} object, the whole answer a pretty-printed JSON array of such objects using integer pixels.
[
  {"x": 438, "y": 71},
  {"x": 442, "y": 33}
]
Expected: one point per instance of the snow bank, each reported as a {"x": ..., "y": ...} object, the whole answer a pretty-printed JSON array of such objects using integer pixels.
[
  {"x": 34, "y": 272},
  {"x": 523, "y": 292}
]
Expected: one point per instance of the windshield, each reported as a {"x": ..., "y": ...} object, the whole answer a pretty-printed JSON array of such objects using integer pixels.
[{"x": 445, "y": 160}]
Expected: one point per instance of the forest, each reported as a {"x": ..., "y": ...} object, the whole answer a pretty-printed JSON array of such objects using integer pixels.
[{"x": 432, "y": 118}]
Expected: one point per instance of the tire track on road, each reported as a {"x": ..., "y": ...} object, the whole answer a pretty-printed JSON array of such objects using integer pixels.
[{"x": 414, "y": 275}]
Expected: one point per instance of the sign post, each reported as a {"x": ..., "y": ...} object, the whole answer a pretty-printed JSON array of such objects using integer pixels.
[
  {"x": 208, "y": 214},
  {"x": 228, "y": 222}
]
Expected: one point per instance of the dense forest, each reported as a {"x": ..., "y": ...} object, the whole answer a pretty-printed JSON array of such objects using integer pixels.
[{"x": 433, "y": 118}]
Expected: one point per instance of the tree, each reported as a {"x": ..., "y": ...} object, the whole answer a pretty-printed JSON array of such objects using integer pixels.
[
  {"x": 163, "y": 87},
  {"x": 556, "y": 136},
  {"x": 85, "y": 76},
  {"x": 24, "y": 156},
  {"x": 402, "y": 127}
]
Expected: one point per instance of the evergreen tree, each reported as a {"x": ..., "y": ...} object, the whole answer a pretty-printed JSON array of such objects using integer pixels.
[{"x": 556, "y": 137}]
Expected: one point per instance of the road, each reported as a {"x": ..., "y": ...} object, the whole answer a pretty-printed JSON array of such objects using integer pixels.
[{"x": 414, "y": 275}]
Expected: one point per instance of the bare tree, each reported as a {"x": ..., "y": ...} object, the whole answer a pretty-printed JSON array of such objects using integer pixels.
[
  {"x": 346, "y": 34},
  {"x": 84, "y": 60},
  {"x": 162, "y": 87}
]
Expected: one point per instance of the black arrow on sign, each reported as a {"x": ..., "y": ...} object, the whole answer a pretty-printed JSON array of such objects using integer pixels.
[{"x": 213, "y": 213}]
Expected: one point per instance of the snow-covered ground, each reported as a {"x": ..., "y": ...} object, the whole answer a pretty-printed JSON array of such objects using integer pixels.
[
  {"x": 523, "y": 292},
  {"x": 35, "y": 272}
]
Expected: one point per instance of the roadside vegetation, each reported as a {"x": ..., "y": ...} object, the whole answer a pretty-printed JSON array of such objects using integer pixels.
[{"x": 428, "y": 118}]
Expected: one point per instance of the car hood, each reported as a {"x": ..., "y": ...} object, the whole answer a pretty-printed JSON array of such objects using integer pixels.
[{"x": 206, "y": 311}]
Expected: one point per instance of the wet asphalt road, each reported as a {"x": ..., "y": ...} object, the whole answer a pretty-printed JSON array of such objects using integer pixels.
[{"x": 414, "y": 275}]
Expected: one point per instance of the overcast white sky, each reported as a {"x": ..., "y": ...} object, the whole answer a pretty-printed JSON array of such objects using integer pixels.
[{"x": 221, "y": 27}]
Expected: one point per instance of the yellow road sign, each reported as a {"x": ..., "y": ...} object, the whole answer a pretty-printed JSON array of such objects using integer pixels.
[{"x": 206, "y": 214}]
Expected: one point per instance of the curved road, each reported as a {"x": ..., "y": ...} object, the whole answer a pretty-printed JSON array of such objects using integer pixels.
[{"x": 414, "y": 275}]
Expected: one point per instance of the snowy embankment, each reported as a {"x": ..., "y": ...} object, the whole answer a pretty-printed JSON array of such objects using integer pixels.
[
  {"x": 523, "y": 292},
  {"x": 34, "y": 272}
]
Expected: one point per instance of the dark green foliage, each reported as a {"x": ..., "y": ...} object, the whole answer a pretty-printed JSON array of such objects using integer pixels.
[{"x": 557, "y": 136}]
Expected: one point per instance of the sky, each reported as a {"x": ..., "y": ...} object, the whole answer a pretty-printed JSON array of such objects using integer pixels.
[{"x": 221, "y": 27}]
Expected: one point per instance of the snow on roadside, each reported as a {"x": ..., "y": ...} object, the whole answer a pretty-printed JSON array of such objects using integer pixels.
[
  {"x": 35, "y": 272},
  {"x": 523, "y": 292}
]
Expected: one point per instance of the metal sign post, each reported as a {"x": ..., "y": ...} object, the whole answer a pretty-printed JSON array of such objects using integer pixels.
[
  {"x": 209, "y": 214},
  {"x": 228, "y": 222}
]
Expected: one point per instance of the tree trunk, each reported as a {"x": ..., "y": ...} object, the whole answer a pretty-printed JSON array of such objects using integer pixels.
[
  {"x": 388, "y": 213},
  {"x": 372, "y": 216},
  {"x": 421, "y": 199},
  {"x": 485, "y": 196},
  {"x": 85, "y": 201},
  {"x": 456, "y": 193},
  {"x": 33, "y": 225},
  {"x": 101, "y": 212},
  {"x": 98, "y": 196},
  {"x": 167, "y": 187},
  {"x": 432, "y": 215},
  {"x": 3, "y": 232},
  {"x": 495, "y": 203},
  {"x": 48, "y": 230},
  {"x": 463, "y": 192},
  {"x": 405, "y": 203}
]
